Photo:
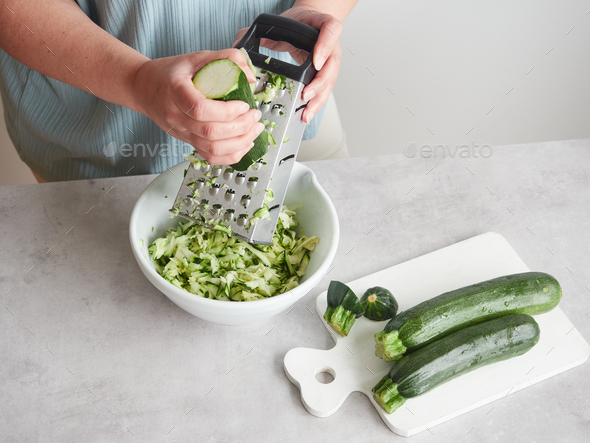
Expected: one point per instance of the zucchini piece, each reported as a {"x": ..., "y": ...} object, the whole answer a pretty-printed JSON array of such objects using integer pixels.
[
  {"x": 526, "y": 293},
  {"x": 263, "y": 213},
  {"x": 379, "y": 304},
  {"x": 272, "y": 86},
  {"x": 343, "y": 308},
  {"x": 454, "y": 355},
  {"x": 222, "y": 228},
  {"x": 224, "y": 80}
]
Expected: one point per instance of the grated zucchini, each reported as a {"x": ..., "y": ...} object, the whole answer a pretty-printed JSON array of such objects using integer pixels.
[{"x": 211, "y": 264}]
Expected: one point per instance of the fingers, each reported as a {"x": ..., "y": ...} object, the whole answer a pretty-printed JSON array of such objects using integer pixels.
[
  {"x": 330, "y": 30},
  {"x": 224, "y": 159},
  {"x": 224, "y": 151},
  {"x": 225, "y": 130},
  {"x": 228, "y": 159},
  {"x": 194, "y": 105},
  {"x": 318, "y": 91},
  {"x": 212, "y": 119},
  {"x": 220, "y": 131}
]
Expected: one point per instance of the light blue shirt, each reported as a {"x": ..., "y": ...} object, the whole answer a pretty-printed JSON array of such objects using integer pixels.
[{"x": 64, "y": 133}]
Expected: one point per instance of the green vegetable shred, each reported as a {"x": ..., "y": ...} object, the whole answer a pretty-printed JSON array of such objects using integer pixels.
[{"x": 211, "y": 264}]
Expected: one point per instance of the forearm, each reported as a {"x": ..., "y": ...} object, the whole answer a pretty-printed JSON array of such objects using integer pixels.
[
  {"x": 57, "y": 39},
  {"x": 338, "y": 9}
]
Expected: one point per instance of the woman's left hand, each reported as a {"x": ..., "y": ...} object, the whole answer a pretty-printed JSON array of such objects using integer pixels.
[{"x": 326, "y": 55}]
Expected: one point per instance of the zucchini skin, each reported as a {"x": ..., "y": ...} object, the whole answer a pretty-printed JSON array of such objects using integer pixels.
[
  {"x": 525, "y": 293},
  {"x": 379, "y": 304},
  {"x": 260, "y": 148},
  {"x": 343, "y": 309},
  {"x": 456, "y": 354}
]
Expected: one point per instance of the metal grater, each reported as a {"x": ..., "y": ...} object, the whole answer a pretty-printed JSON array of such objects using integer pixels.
[{"x": 233, "y": 197}]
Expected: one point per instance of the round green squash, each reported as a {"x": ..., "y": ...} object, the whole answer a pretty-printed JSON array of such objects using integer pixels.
[{"x": 379, "y": 304}]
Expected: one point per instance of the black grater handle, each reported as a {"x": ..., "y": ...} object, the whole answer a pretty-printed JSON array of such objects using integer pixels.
[{"x": 282, "y": 29}]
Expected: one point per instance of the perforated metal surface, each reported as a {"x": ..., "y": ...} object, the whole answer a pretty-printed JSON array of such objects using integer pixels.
[{"x": 212, "y": 194}]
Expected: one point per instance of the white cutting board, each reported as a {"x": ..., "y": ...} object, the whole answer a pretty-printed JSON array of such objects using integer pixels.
[{"x": 355, "y": 367}]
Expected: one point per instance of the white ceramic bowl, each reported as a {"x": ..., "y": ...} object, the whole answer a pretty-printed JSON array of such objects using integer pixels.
[{"x": 316, "y": 217}]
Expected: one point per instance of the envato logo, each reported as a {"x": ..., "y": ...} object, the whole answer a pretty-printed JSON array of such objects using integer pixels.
[
  {"x": 165, "y": 150},
  {"x": 437, "y": 151}
]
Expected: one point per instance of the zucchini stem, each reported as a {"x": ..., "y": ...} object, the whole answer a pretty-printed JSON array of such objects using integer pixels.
[
  {"x": 388, "y": 346},
  {"x": 387, "y": 396},
  {"x": 340, "y": 319}
]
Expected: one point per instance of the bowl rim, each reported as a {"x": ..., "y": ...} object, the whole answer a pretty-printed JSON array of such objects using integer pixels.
[{"x": 184, "y": 296}]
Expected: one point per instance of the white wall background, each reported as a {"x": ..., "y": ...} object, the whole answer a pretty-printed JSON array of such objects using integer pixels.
[
  {"x": 457, "y": 65},
  {"x": 459, "y": 72}
]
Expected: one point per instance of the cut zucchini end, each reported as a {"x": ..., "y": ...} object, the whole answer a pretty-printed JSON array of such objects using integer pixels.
[
  {"x": 386, "y": 395},
  {"x": 388, "y": 346},
  {"x": 217, "y": 78},
  {"x": 340, "y": 319}
]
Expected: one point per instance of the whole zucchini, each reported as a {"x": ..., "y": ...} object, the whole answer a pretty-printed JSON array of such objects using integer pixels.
[
  {"x": 456, "y": 354},
  {"x": 343, "y": 309},
  {"x": 526, "y": 293},
  {"x": 379, "y": 304}
]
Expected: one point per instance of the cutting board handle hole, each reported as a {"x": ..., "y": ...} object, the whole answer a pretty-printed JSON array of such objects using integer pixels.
[{"x": 325, "y": 375}]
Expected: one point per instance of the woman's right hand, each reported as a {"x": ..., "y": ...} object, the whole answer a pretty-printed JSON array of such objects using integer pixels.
[{"x": 221, "y": 132}]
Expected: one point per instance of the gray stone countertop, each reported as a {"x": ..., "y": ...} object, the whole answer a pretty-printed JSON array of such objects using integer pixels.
[{"x": 91, "y": 351}]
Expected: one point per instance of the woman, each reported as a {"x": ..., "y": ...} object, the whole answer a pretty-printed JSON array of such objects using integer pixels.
[{"x": 95, "y": 88}]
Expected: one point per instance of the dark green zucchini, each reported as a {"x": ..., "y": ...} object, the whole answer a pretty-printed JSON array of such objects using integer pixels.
[
  {"x": 224, "y": 80},
  {"x": 343, "y": 309},
  {"x": 527, "y": 293},
  {"x": 379, "y": 304},
  {"x": 454, "y": 355}
]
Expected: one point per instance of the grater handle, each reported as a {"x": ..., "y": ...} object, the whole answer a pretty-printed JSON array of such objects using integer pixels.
[{"x": 282, "y": 29}]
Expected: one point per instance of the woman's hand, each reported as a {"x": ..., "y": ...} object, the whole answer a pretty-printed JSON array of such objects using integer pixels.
[
  {"x": 221, "y": 132},
  {"x": 326, "y": 56}
]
